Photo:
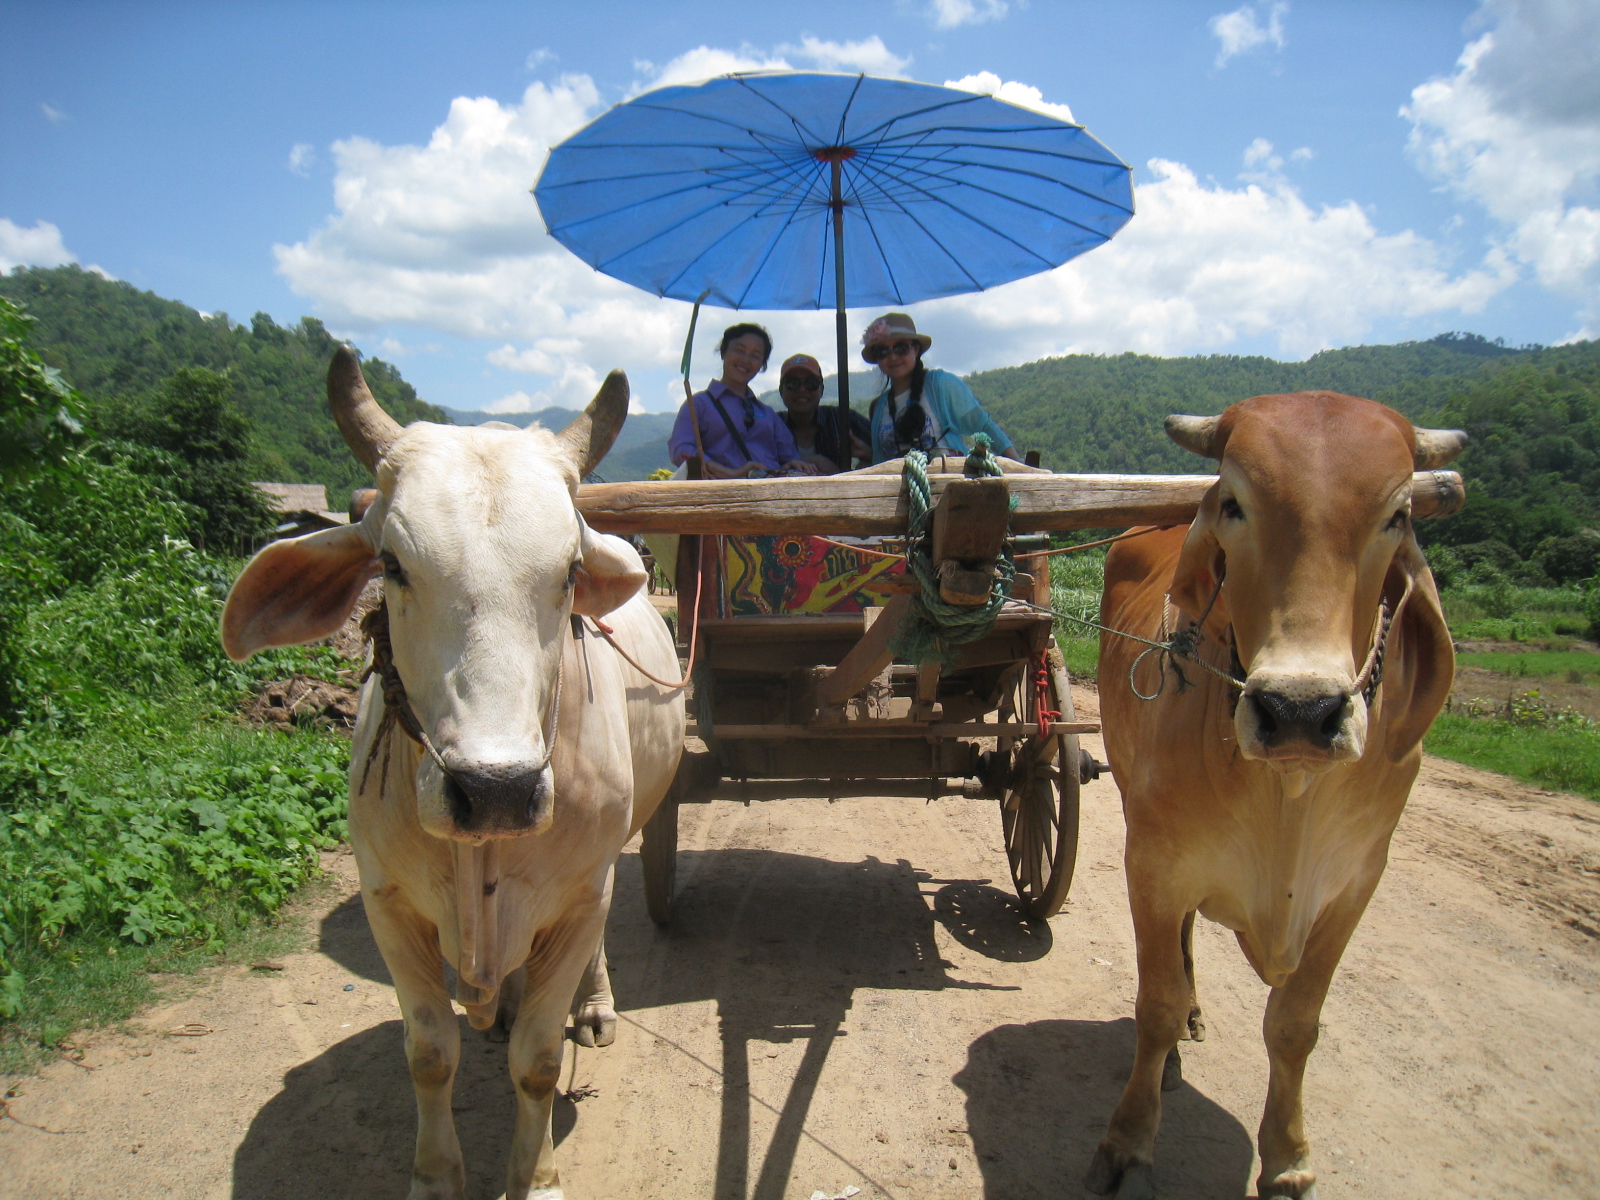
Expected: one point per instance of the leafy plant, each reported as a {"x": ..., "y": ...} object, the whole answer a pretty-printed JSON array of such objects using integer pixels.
[{"x": 40, "y": 413}]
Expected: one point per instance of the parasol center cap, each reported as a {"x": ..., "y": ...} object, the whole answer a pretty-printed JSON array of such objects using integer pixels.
[{"x": 834, "y": 154}]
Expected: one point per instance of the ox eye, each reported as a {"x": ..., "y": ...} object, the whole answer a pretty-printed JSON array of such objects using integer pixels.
[
  {"x": 1397, "y": 522},
  {"x": 572, "y": 576},
  {"x": 393, "y": 572},
  {"x": 1230, "y": 509}
]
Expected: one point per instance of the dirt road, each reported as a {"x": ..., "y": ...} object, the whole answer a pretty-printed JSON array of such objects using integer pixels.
[{"x": 846, "y": 998}]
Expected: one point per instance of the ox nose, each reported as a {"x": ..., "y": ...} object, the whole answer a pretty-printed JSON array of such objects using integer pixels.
[
  {"x": 1310, "y": 720},
  {"x": 497, "y": 798}
]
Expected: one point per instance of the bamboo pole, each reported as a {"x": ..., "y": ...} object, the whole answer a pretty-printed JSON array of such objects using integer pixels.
[{"x": 867, "y": 505}]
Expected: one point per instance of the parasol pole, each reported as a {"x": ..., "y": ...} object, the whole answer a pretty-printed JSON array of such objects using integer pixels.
[
  {"x": 688, "y": 388},
  {"x": 836, "y": 156}
]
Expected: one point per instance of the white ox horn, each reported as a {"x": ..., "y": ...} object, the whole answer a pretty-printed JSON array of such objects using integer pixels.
[
  {"x": 588, "y": 439},
  {"x": 1195, "y": 434},
  {"x": 1437, "y": 447},
  {"x": 367, "y": 429}
]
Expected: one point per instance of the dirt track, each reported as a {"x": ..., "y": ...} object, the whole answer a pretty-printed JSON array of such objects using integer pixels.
[{"x": 847, "y": 999}]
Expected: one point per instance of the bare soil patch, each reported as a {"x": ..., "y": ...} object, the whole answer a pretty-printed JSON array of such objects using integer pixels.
[{"x": 847, "y": 997}]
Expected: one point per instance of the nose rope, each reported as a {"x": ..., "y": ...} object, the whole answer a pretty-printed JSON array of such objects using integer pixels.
[
  {"x": 397, "y": 708},
  {"x": 1185, "y": 643}
]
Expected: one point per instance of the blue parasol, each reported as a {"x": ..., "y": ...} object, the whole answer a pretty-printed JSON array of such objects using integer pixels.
[{"x": 743, "y": 192}]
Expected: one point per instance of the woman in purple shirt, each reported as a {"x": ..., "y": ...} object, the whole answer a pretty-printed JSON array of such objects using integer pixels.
[{"x": 741, "y": 437}]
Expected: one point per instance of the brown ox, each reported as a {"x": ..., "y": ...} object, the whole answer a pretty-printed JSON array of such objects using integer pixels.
[{"x": 1267, "y": 807}]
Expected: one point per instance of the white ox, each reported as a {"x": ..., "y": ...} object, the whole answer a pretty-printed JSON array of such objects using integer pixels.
[{"x": 492, "y": 847}]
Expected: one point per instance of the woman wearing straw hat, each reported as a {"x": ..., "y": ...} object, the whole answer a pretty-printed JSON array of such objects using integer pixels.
[{"x": 920, "y": 408}]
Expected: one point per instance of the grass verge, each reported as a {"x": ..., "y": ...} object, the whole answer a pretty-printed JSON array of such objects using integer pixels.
[
  {"x": 1573, "y": 666},
  {"x": 1556, "y": 755}
]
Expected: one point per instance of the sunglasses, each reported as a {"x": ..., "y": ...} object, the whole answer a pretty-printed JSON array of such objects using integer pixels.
[
  {"x": 891, "y": 350},
  {"x": 802, "y": 381}
]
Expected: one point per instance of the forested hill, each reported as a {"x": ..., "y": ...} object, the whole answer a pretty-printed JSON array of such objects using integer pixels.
[
  {"x": 1104, "y": 412},
  {"x": 113, "y": 341}
]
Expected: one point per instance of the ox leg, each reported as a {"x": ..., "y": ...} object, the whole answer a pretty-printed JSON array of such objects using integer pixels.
[
  {"x": 554, "y": 968},
  {"x": 1290, "y": 1030},
  {"x": 1123, "y": 1161},
  {"x": 410, "y": 947},
  {"x": 594, "y": 1016},
  {"x": 1197, "y": 1023}
]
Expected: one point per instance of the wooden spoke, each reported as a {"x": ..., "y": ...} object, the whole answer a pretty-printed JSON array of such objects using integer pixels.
[{"x": 1041, "y": 830}]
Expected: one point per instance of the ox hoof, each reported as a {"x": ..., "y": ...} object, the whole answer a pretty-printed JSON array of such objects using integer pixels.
[
  {"x": 1172, "y": 1071},
  {"x": 1111, "y": 1172},
  {"x": 1290, "y": 1185},
  {"x": 1197, "y": 1025},
  {"x": 594, "y": 1025},
  {"x": 450, "y": 1184}
]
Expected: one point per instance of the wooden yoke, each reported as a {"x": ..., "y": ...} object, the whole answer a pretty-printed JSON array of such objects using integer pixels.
[{"x": 969, "y": 531}]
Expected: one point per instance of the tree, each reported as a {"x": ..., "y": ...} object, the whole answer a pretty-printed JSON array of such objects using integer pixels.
[
  {"x": 193, "y": 417},
  {"x": 40, "y": 413}
]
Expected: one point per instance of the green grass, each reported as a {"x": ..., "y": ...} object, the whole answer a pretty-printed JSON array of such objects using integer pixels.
[
  {"x": 93, "y": 980},
  {"x": 163, "y": 835},
  {"x": 1558, "y": 755},
  {"x": 1503, "y": 613},
  {"x": 1537, "y": 664},
  {"x": 1082, "y": 654}
]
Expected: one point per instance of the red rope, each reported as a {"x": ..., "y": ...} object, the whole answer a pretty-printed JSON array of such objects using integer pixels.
[
  {"x": 1041, "y": 702},
  {"x": 606, "y": 631}
]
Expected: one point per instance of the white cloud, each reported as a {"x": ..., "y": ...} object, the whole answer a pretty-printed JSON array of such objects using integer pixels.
[
  {"x": 541, "y": 56},
  {"x": 1240, "y": 31},
  {"x": 869, "y": 55},
  {"x": 705, "y": 62},
  {"x": 1260, "y": 150},
  {"x": 1202, "y": 267},
  {"x": 1516, "y": 129},
  {"x": 54, "y": 115},
  {"x": 1024, "y": 95},
  {"x": 301, "y": 156},
  {"x": 950, "y": 14},
  {"x": 445, "y": 237},
  {"x": 38, "y": 246}
]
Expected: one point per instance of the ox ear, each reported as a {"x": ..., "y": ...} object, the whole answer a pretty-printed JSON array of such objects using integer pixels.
[
  {"x": 1438, "y": 447},
  {"x": 297, "y": 591},
  {"x": 609, "y": 574},
  {"x": 1419, "y": 684},
  {"x": 588, "y": 438},
  {"x": 1200, "y": 563},
  {"x": 1198, "y": 435}
]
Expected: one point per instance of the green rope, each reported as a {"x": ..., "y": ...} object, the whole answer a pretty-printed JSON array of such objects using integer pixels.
[{"x": 934, "y": 627}]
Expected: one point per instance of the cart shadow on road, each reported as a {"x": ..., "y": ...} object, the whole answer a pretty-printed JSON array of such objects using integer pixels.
[{"x": 1039, "y": 1097}]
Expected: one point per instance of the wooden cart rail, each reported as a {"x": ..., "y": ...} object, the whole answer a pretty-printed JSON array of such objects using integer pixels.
[{"x": 866, "y": 505}]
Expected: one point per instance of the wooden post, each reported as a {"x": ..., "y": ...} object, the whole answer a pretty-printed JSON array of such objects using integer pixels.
[
  {"x": 867, "y": 657},
  {"x": 969, "y": 530}
]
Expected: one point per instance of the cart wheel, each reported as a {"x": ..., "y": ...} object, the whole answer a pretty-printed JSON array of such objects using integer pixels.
[
  {"x": 658, "y": 854},
  {"x": 1040, "y": 810}
]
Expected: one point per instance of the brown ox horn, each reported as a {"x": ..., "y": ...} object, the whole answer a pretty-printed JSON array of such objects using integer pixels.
[
  {"x": 367, "y": 429},
  {"x": 589, "y": 438},
  {"x": 1437, "y": 447},
  {"x": 1195, "y": 434}
]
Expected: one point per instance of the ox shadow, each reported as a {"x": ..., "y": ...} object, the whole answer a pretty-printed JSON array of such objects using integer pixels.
[
  {"x": 344, "y": 1123},
  {"x": 1039, "y": 1097}
]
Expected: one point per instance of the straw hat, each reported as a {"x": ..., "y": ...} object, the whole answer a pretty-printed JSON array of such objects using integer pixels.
[{"x": 892, "y": 327}]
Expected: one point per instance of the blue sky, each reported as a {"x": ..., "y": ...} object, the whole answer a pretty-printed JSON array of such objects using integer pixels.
[{"x": 1309, "y": 174}]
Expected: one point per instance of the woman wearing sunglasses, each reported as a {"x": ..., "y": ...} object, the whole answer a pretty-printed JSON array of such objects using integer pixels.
[
  {"x": 741, "y": 437},
  {"x": 815, "y": 426},
  {"x": 920, "y": 408}
]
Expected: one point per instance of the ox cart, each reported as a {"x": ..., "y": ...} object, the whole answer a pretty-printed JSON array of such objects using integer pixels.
[{"x": 790, "y": 639}]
